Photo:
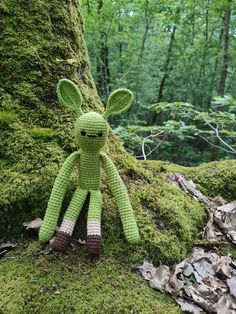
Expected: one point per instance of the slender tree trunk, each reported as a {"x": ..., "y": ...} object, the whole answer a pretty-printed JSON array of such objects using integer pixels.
[
  {"x": 166, "y": 64},
  {"x": 200, "y": 98},
  {"x": 146, "y": 29},
  {"x": 166, "y": 67},
  {"x": 103, "y": 70},
  {"x": 207, "y": 21},
  {"x": 120, "y": 47},
  {"x": 99, "y": 80},
  {"x": 102, "y": 59},
  {"x": 225, "y": 49},
  {"x": 213, "y": 81},
  {"x": 105, "y": 64},
  {"x": 140, "y": 57},
  {"x": 224, "y": 68}
]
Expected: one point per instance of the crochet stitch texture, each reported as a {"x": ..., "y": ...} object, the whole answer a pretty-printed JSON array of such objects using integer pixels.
[{"x": 91, "y": 130}]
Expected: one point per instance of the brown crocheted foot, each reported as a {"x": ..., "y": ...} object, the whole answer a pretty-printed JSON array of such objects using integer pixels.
[
  {"x": 61, "y": 242},
  {"x": 93, "y": 244}
]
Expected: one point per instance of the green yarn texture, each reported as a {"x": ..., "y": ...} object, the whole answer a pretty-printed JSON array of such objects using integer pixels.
[
  {"x": 55, "y": 201},
  {"x": 91, "y": 130}
]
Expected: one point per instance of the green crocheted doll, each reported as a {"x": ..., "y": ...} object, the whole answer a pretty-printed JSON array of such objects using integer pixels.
[{"x": 91, "y": 133}]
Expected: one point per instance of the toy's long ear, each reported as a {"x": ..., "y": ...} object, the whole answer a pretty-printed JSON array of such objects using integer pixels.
[
  {"x": 69, "y": 94},
  {"x": 118, "y": 102}
]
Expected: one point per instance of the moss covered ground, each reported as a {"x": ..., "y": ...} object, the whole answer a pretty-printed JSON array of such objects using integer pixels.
[
  {"x": 73, "y": 284},
  {"x": 169, "y": 222}
]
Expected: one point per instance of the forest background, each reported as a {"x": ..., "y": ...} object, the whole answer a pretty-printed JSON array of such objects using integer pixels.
[{"x": 179, "y": 59}]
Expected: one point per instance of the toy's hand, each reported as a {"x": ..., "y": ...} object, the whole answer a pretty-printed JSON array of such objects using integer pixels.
[
  {"x": 135, "y": 239},
  {"x": 46, "y": 232},
  {"x": 132, "y": 235},
  {"x": 54, "y": 204},
  {"x": 121, "y": 195}
]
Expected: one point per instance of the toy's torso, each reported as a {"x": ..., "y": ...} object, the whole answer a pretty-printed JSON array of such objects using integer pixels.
[{"x": 89, "y": 171}]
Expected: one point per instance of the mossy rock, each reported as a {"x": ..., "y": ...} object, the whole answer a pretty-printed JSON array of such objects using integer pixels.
[{"x": 214, "y": 178}]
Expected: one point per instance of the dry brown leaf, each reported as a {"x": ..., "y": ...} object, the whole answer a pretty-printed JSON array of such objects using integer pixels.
[
  {"x": 6, "y": 247},
  {"x": 199, "y": 281},
  {"x": 188, "y": 306},
  {"x": 187, "y": 185},
  {"x": 223, "y": 267},
  {"x": 200, "y": 300},
  {"x": 160, "y": 278},
  {"x": 209, "y": 232},
  {"x": 232, "y": 286},
  {"x": 224, "y": 216},
  {"x": 218, "y": 200},
  {"x": 147, "y": 270},
  {"x": 204, "y": 268},
  {"x": 34, "y": 224},
  {"x": 226, "y": 305},
  {"x": 188, "y": 270},
  {"x": 175, "y": 284},
  {"x": 227, "y": 208}
]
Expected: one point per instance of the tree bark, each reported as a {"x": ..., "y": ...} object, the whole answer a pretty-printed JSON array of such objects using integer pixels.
[
  {"x": 166, "y": 67},
  {"x": 225, "y": 49},
  {"x": 224, "y": 67},
  {"x": 103, "y": 69}
]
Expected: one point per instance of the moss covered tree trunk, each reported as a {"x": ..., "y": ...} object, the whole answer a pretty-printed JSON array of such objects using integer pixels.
[{"x": 41, "y": 42}]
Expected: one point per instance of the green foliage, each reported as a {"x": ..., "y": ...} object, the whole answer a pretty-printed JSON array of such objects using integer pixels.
[
  {"x": 136, "y": 36},
  {"x": 130, "y": 43},
  {"x": 182, "y": 133}
]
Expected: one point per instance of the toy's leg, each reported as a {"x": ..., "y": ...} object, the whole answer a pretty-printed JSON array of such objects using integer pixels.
[
  {"x": 94, "y": 224},
  {"x": 64, "y": 234}
]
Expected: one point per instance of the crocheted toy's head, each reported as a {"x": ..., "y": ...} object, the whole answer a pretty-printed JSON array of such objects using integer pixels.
[{"x": 91, "y": 129}]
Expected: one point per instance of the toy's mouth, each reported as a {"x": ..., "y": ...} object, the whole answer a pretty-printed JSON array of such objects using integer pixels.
[
  {"x": 92, "y": 135},
  {"x": 84, "y": 133}
]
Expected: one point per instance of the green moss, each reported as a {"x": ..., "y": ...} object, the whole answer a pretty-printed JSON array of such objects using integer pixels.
[
  {"x": 214, "y": 178},
  {"x": 168, "y": 219},
  {"x": 230, "y": 250},
  {"x": 7, "y": 118},
  {"x": 72, "y": 284},
  {"x": 41, "y": 133}
]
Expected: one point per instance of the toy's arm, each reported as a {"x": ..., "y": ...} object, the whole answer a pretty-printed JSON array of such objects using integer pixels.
[
  {"x": 58, "y": 192},
  {"x": 120, "y": 193}
]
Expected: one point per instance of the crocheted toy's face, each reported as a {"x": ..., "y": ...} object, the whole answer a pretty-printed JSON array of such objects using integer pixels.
[
  {"x": 91, "y": 131},
  {"x": 92, "y": 128}
]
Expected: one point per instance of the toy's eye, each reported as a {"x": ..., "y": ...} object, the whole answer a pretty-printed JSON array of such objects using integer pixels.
[
  {"x": 83, "y": 132},
  {"x": 99, "y": 133}
]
